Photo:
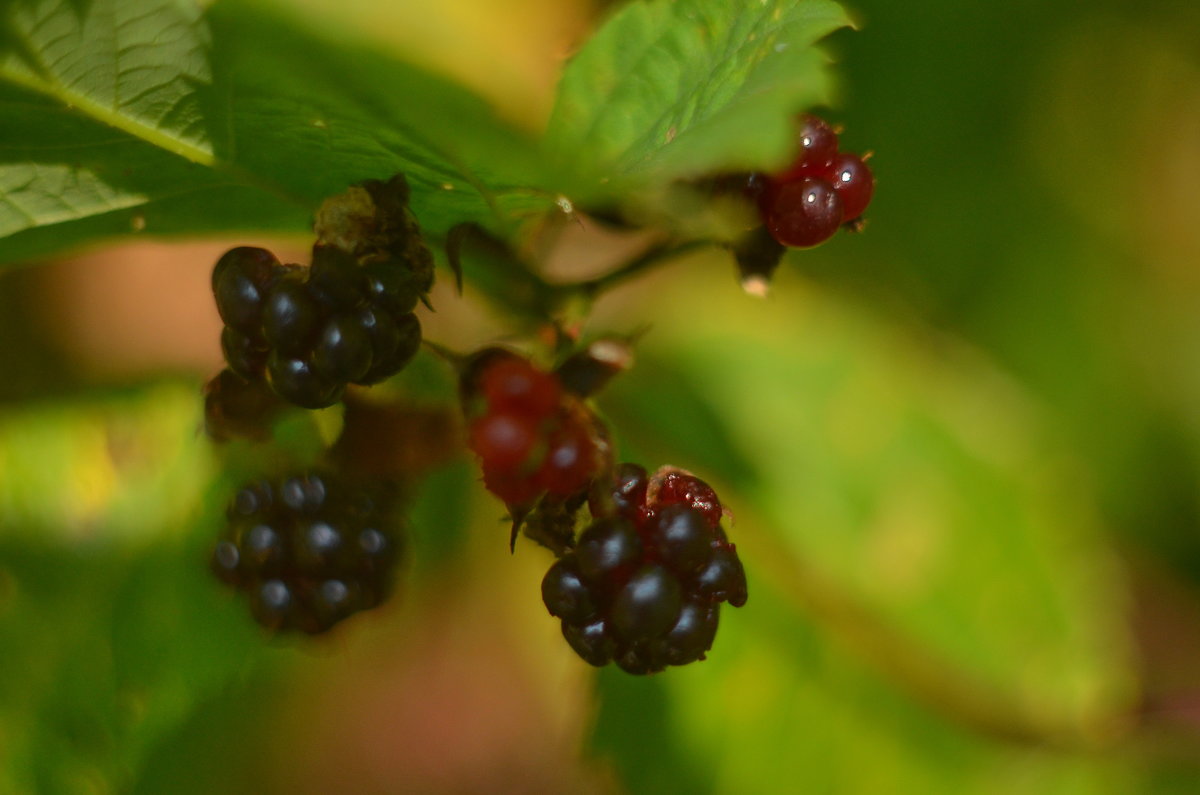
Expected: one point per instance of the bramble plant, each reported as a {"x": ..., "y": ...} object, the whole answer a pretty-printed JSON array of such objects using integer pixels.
[{"x": 347, "y": 446}]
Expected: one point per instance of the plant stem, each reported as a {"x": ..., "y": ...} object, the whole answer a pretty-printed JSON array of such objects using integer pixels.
[{"x": 656, "y": 256}]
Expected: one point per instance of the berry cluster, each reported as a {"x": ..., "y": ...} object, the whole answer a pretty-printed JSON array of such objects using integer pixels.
[
  {"x": 532, "y": 437},
  {"x": 313, "y": 330},
  {"x": 822, "y": 189},
  {"x": 308, "y": 551},
  {"x": 644, "y": 583}
]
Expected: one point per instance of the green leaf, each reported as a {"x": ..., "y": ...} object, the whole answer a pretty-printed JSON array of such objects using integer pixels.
[
  {"x": 439, "y": 516},
  {"x": 674, "y": 89},
  {"x": 659, "y": 410},
  {"x": 106, "y": 466},
  {"x": 155, "y": 117},
  {"x": 915, "y": 500},
  {"x": 777, "y": 708},
  {"x": 117, "y": 648}
]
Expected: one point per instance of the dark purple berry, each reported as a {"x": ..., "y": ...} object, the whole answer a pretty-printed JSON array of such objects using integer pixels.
[
  {"x": 226, "y": 560},
  {"x": 343, "y": 349},
  {"x": 723, "y": 578},
  {"x": 681, "y": 537},
  {"x": 271, "y": 604},
  {"x": 295, "y": 381},
  {"x": 332, "y": 601},
  {"x": 627, "y": 492},
  {"x": 262, "y": 550},
  {"x": 636, "y": 660},
  {"x": 335, "y": 280},
  {"x": 244, "y": 354},
  {"x": 239, "y": 280},
  {"x": 565, "y": 594},
  {"x": 647, "y": 605},
  {"x": 394, "y": 344},
  {"x": 257, "y": 498},
  {"x": 319, "y": 546},
  {"x": 290, "y": 317},
  {"x": 802, "y": 213},
  {"x": 608, "y": 551},
  {"x": 693, "y": 634},
  {"x": 591, "y": 641},
  {"x": 303, "y": 494},
  {"x": 375, "y": 551},
  {"x": 391, "y": 286}
]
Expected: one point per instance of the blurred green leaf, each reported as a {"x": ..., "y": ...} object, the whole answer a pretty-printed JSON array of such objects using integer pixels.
[
  {"x": 673, "y": 89},
  {"x": 114, "y": 649},
  {"x": 116, "y": 630},
  {"x": 439, "y": 515},
  {"x": 153, "y": 116},
  {"x": 130, "y": 464},
  {"x": 777, "y": 707},
  {"x": 636, "y": 729},
  {"x": 918, "y": 482},
  {"x": 664, "y": 411}
]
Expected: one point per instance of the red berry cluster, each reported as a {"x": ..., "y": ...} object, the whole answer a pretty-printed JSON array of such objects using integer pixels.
[
  {"x": 532, "y": 437},
  {"x": 822, "y": 189},
  {"x": 644, "y": 583}
]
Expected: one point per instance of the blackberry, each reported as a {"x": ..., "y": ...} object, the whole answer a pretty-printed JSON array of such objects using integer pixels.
[
  {"x": 643, "y": 585},
  {"x": 347, "y": 318},
  {"x": 238, "y": 281},
  {"x": 647, "y": 605},
  {"x": 531, "y": 436},
  {"x": 294, "y": 380},
  {"x": 290, "y": 316},
  {"x": 308, "y": 551},
  {"x": 682, "y": 537},
  {"x": 343, "y": 350}
]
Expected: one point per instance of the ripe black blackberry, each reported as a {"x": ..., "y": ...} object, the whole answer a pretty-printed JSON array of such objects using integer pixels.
[
  {"x": 643, "y": 585},
  {"x": 308, "y": 550},
  {"x": 347, "y": 319}
]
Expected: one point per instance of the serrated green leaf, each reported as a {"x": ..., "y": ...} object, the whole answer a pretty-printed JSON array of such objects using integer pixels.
[
  {"x": 155, "y": 117},
  {"x": 674, "y": 89}
]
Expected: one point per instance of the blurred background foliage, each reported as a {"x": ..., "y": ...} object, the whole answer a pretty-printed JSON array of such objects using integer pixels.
[{"x": 962, "y": 450}]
